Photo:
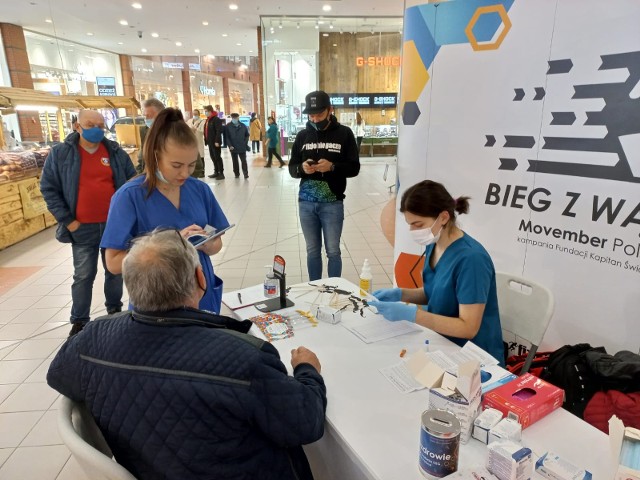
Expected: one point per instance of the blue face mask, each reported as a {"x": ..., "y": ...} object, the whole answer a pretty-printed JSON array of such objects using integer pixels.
[
  {"x": 148, "y": 122},
  {"x": 93, "y": 135},
  {"x": 235, "y": 121},
  {"x": 159, "y": 174}
]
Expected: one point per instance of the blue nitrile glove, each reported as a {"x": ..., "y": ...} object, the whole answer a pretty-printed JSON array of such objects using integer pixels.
[
  {"x": 388, "y": 294},
  {"x": 395, "y": 311}
]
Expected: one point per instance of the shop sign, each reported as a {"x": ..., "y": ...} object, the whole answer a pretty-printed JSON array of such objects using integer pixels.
[
  {"x": 204, "y": 90},
  {"x": 194, "y": 66},
  {"x": 386, "y": 61},
  {"x": 364, "y": 100},
  {"x": 106, "y": 86},
  {"x": 173, "y": 65},
  {"x": 33, "y": 203}
]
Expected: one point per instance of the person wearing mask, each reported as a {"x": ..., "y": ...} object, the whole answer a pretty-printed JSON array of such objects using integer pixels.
[
  {"x": 459, "y": 279},
  {"x": 151, "y": 107},
  {"x": 237, "y": 136},
  {"x": 180, "y": 393},
  {"x": 255, "y": 133},
  {"x": 272, "y": 142},
  {"x": 323, "y": 156},
  {"x": 213, "y": 139},
  {"x": 358, "y": 129},
  {"x": 167, "y": 196},
  {"x": 78, "y": 180},
  {"x": 196, "y": 124}
]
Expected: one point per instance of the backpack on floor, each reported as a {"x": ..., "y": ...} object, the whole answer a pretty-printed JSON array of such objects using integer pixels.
[
  {"x": 567, "y": 369},
  {"x": 540, "y": 361}
]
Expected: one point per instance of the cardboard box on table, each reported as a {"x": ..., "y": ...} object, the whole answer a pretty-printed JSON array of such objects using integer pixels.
[
  {"x": 526, "y": 399},
  {"x": 459, "y": 394}
]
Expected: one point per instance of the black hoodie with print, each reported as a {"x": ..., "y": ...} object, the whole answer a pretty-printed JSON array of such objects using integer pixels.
[{"x": 335, "y": 144}]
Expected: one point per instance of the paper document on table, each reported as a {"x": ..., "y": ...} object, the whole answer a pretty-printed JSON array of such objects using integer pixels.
[
  {"x": 443, "y": 360},
  {"x": 373, "y": 330},
  {"x": 471, "y": 351},
  {"x": 243, "y": 298},
  {"x": 401, "y": 378}
]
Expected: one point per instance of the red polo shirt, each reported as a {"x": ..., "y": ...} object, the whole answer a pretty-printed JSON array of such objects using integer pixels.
[{"x": 96, "y": 186}]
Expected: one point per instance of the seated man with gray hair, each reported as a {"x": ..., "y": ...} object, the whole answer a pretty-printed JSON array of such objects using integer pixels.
[{"x": 182, "y": 393}]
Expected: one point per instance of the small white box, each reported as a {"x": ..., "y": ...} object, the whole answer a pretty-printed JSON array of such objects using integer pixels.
[
  {"x": 509, "y": 461},
  {"x": 554, "y": 467},
  {"x": 328, "y": 315},
  {"x": 485, "y": 422},
  {"x": 471, "y": 473},
  {"x": 506, "y": 429}
]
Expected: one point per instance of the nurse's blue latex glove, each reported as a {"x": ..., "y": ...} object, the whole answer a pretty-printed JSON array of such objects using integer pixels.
[
  {"x": 388, "y": 294},
  {"x": 395, "y": 311}
]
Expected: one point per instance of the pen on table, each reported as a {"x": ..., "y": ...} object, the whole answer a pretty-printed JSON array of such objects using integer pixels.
[{"x": 239, "y": 297}]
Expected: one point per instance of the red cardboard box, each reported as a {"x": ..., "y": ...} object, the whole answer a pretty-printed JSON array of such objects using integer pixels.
[{"x": 526, "y": 399}]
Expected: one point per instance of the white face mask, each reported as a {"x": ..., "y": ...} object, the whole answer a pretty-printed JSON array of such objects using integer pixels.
[
  {"x": 425, "y": 236},
  {"x": 159, "y": 174}
]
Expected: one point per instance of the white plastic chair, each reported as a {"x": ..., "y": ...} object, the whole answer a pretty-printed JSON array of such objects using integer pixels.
[
  {"x": 83, "y": 437},
  {"x": 526, "y": 308}
]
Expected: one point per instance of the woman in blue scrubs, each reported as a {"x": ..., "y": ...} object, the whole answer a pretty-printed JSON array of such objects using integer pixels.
[
  {"x": 459, "y": 278},
  {"x": 166, "y": 196}
]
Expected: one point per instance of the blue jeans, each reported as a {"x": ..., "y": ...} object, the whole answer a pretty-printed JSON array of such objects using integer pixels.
[
  {"x": 86, "y": 248},
  {"x": 322, "y": 220}
]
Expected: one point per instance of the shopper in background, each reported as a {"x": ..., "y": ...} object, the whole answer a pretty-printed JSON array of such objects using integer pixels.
[
  {"x": 211, "y": 401},
  {"x": 79, "y": 178},
  {"x": 237, "y": 136},
  {"x": 151, "y": 107},
  {"x": 167, "y": 196},
  {"x": 213, "y": 138},
  {"x": 358, "y": 129},
  {"x": 255, "y": 133},
  {"x": 272, "y": 142},
  {"x": 323, "y": 156},
  {"x": 197, "y": 127},
  {"x": 459, "y": 279}
]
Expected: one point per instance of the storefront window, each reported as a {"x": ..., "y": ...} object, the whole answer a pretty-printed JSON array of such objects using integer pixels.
[
  {"x": 355, "y": 60},
  {"x": 64, "y": 68},
  {"x": 151, "y": 79},
  {"x": 240, "y": 97},
  {"x": 206, "y": 90}
]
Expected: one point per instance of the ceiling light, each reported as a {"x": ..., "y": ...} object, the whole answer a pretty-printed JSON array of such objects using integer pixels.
[
  {"x": 205, "y": 23},
  {"x": 89, "y": 34},
  {"x": 48, "y": 20},
  {"x": 144, "y": 50},
  {"x": 233, "y": 6},
  {"x": 136, "y": 5},
  {"x": 178, "y": 44},
  {"x": 154, "y": 35},
  {"x": 335, "y": 44},
  {"x": 120, "y": 43},
  {"x": 298, "y": 25},
  {"x": 250, "y": 51},
  {"x": 239, "y": 44},
  {"x": 124, "y": 23},
  {"x": 225, "y": 35},
  {"x": 325, "y": 34},
  {"x": 331, "y": 25},
  {"x": 317, "y": 25},
  {"x": 280, "y": 26},
  {"x": 197, "y": 50},
  {"x": 326, "y": 8},
  {"x": 320, "y": 22}
]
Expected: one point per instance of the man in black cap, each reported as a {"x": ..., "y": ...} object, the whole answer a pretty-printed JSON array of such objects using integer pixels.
[{"x": 323, "y": 156}]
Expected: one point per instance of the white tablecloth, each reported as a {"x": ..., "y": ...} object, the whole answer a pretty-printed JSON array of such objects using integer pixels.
[{"x": 373, "y": 430}]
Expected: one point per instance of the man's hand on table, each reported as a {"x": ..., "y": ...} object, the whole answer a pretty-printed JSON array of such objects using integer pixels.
[{"x": 304, "y": 355}]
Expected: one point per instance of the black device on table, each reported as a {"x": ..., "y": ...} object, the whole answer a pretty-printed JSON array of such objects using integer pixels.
[{"x": 281, "y": 301}]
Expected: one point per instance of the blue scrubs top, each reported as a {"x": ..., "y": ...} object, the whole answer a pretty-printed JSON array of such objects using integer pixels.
[
  {"x": 132, "y": 214},
  {"x": 465, "y": 275}
]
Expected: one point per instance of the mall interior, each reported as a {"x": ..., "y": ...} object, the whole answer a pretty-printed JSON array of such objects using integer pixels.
[{"x": 248, "y": 58}]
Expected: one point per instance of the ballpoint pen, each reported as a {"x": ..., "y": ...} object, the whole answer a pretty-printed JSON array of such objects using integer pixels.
[{"x": 239, "y": 297}]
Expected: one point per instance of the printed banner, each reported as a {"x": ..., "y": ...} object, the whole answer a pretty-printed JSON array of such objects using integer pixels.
[{"x": 532, "y": 108}]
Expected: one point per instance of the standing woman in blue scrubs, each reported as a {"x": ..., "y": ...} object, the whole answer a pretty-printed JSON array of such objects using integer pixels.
[
  {"x": 166, "y": 196},
  {"x": 459, "y": 278}
]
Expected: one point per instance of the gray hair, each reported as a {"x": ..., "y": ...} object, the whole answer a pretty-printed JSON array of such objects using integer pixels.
[
  {"x": 153, "y": 102},
  {"x": 159, "y": 271}
]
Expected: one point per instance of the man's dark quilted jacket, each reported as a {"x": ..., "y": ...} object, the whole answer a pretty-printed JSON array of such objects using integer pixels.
[{"x": 189, "y": 401}]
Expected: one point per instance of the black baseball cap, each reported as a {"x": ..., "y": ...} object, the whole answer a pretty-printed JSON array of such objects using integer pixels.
[{"x": 316, "y": 102}]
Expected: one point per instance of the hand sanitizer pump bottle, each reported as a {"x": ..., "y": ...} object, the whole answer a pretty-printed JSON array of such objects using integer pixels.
[
  {"x": 270, "y": 283},
  {"x": 366, "y": 279}
]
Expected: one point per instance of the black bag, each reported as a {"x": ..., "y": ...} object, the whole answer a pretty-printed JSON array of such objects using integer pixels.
[{"x": 568, "y": 369}]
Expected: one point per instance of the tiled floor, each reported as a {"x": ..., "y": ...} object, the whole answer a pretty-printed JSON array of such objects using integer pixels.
[{"x": 34, "y": 313}]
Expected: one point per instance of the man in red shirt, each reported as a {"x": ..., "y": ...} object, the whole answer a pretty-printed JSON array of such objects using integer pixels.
[{"x": 78, "y": 180}]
